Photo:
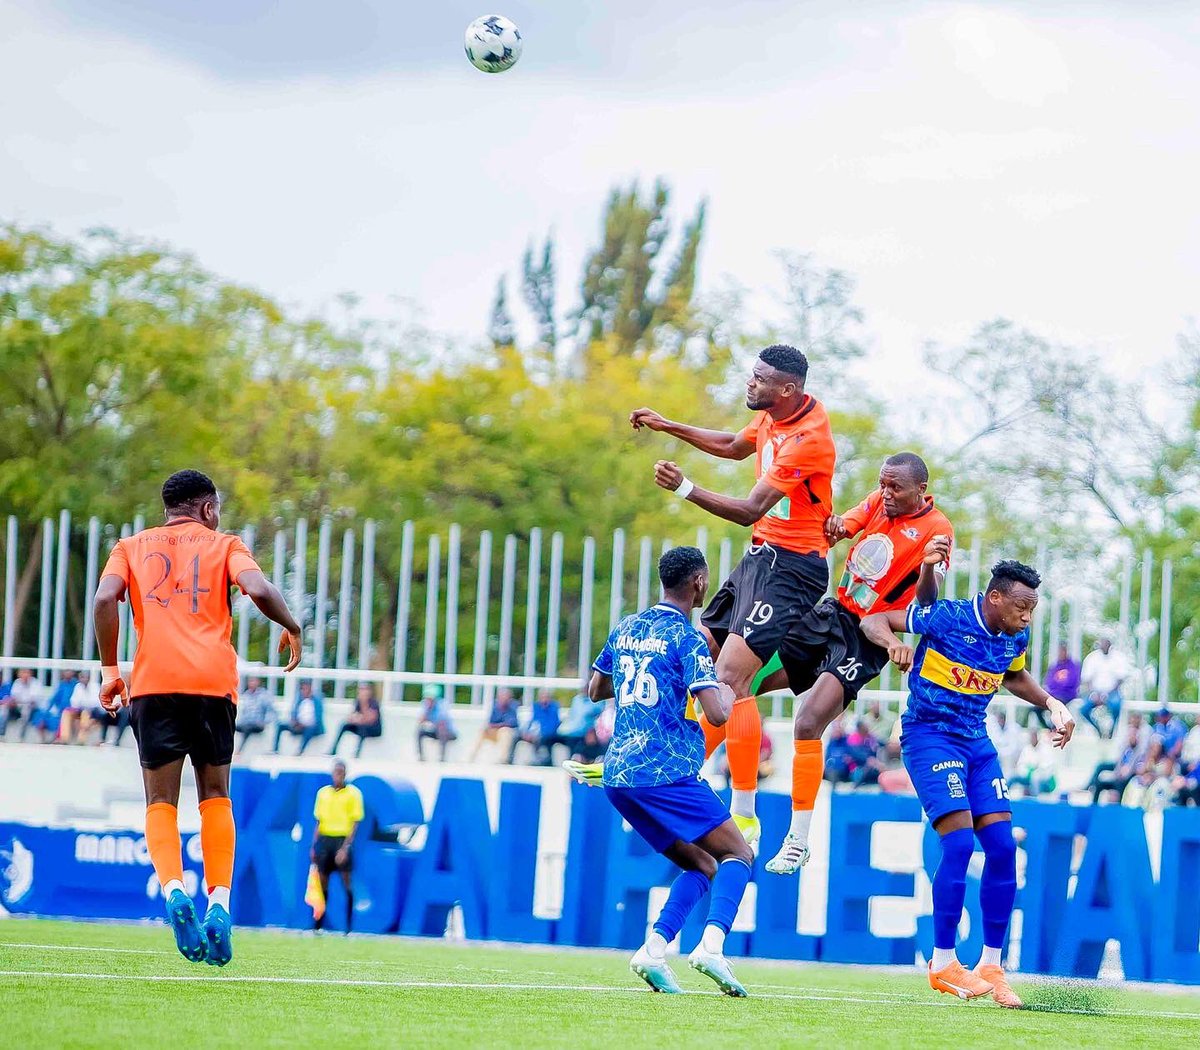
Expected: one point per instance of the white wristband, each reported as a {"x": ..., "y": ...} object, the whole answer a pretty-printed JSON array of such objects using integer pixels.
[
  {"x": 107, "y": 674},
  {"x": 685, "y": 489}
]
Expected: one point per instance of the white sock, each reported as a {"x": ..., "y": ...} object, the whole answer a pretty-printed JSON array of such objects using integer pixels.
[
  {"x": 172, "y": 886},
  {"x": 943, "y": 957},
  {"x": 713, "y": 941},
  {"x": 742, "y": 804},
  {"x": 990, "y": 957},
  {"x": 656, "y": 945},
  {"x": 801, "y": 820},
  {"x": 219, "y": 895}
]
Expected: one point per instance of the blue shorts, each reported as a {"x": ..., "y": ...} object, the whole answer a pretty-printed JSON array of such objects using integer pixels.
[
  {"x": 666, "y": 813},
  {"x": 953, "y": 772}
]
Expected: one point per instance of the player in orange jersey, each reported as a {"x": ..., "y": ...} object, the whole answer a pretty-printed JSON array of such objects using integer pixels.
[
  {"x": 784, "y": 574},
  {"x": 903, "y": 550},
  {"x": 179, "y": 579}
]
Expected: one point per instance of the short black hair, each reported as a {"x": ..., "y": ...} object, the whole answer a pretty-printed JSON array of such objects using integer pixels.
[
  {"x": 911, "y": 462},
  {"x": 786, "y": 359},
  {"x": 1006, "y": 573},
  {"x": 186, "y": 487},
  {"x": 679, "y": 565}
]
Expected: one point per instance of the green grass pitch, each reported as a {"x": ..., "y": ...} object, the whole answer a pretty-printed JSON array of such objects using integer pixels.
[{"x": 86, "y": 985}]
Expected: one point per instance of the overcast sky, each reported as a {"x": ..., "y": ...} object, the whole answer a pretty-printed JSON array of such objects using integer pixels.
[{"x": 1036, "y": 160}]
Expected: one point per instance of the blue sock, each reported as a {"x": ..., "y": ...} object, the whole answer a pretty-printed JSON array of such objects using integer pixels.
[
  {"x": 686, "y": 891},
  {"x": 998, "y": 888},
  {"x": 728, "y": 888},
  {"x": 950, "y": 885}
]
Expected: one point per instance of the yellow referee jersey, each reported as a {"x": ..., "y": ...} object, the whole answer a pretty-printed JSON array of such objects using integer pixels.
[{"x": 338, "y": 811}]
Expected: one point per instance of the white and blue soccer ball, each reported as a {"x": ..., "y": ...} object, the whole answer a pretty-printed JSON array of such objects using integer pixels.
[{"x": 493, "y": 43}]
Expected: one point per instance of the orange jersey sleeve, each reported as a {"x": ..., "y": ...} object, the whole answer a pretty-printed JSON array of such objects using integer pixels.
[
  {"x": 118, "y": 563},
  {"x": 180, "y": 581},
  {"x": 856, "y": 519}
]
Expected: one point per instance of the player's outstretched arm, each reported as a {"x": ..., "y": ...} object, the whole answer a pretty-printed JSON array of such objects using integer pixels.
[
  {"x": 881, "y": 629},
  {"x": 271, "y": 604},
  {"x": 600, "y": 687},
  {"x": 762, "y": 498},
  {"x": 715, "y": 442},
  {"x": 106, "y": 617},
  {"x": 937, "y": 556},
  {"x": 1024, "y": 686},
  {"x": 716, "y": 702}
]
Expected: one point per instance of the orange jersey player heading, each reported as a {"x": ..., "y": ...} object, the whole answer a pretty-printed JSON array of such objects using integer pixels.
[
  {"x": 179, "y": 579},
  {"x": 796, "y": 456},
  {"x": 883, "y": 566}
]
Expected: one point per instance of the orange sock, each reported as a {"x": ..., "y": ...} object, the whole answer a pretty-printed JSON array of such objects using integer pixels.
[
  {"x": 217, "y": 837},
  {"x": 808, "y": 765},
  {"x": 162, "y": 840},
  {"x": 743, "y": 742},
  {"x": 714, "y": 736}
]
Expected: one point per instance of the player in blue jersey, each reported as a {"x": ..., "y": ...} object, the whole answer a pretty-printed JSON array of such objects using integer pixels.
[
  {"x": 658, "y": 667},
  {"x": 968, "y": 650}
]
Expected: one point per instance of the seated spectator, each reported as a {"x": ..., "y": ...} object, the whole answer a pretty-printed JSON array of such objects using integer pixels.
[
  {"x": 1007, "y": 738},
  {"x": 77, "y": 718},
  {"x": 307, "y": 718},
  {"x": 434, "y": 722},
  {"x": 501, "y": 724},
  {"x": 1151, "y": 789},
  {"x": 1062, "y": 683},
  {"x": 47, "y": 715},
  {"x": 879, "y": 721},
  {"x": 540, "y": 730},
  {"x": 766, "y": 752},
  {"x": 865, "y": 747},
  {"x": 839, "y": 756},
  {"x": 596, "y": 740},
  {"x": 1187, "y": 781},
  {"x": 1037, "y": 765},
  {"x": 255, "y": 711},
  {"x": 1103, "y": 671},
  {"x": 24, "y": 697},
  {"x": 1114, "y": 776},
  {"x": 1170, "y": 730},
  {"x": 364, "y": 722},
  {"x": 581, "y": 717}
]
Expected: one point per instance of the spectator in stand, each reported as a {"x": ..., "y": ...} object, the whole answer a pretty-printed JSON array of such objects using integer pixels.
[
  {"x": 77, "y": 718},
  {"x": 501, "y": 724},
  {"x": 1008, "y": 739},
  {"x": 595, "y": 743},
  {"x": 1151, "y": 788},
  {"x": 540, "y": 730},
  {"x": 1187, "y": 782},
  {"x": 865, "y": 747},
  {"x": 581, "y": 718},
  {"x": 1112, "y": 777},
  {"x": 364, "y": 722},
  {"x": 879, "y": 721},
  {"x": 1037, "y": 765},
  {"x": 1062, "y": 682},
  {"x": 434, "y": 722},
  {"x": 1103, "y": 671},
  {"x": 839, "y": 757},
  {"x": 307, "y": 719},
  {"x": 255, "y": 711},
  {"x": 47, "y": 716},
  {"x": 1170, "y": 730},
  {"x": 24, "y": 697}
]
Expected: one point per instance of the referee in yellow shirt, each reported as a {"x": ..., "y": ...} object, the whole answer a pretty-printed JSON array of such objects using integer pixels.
[{"x": 339, "y": 810}]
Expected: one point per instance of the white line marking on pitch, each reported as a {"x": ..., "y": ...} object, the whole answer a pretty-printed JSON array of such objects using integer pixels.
[
  {"x": 83, "y": 948},
  {"x": 513, "y": 987}
]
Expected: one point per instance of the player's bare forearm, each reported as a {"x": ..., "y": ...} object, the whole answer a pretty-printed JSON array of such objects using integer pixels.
[
  {"x": 882, "y": 628},
  {"x": 1025, "y": 687},
  {"x": 600, "y": 687},
  {"x": 350, "y": 837},
  {"x": 928, "y": 585},
  {"x": 740, "y": 511},
  {"x": 716, "y": 703},
  {"x": 106, "y": 616},
  {"x": 715, "y": 442}
]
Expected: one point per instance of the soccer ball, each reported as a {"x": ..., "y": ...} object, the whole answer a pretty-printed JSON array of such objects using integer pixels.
[{"x": 493, "y": 44}]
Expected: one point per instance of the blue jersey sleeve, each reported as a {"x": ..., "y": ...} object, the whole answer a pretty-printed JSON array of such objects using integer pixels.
[
  {"x": 930, "y": 620},
  {"x": 698, "y": 670},
  {"x": 604, "y": 663}
]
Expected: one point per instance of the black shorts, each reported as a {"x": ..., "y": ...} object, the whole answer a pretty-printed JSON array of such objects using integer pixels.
[
  {"x": 326, "y": 851},
  {"x": 171, "y": 725},
  {"x": 829, "y": 639},
  {"x": 764, "y": 596}
]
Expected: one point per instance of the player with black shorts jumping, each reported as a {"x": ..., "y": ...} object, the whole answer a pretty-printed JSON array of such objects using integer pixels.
[
  {"x": 179, "y": 579},
  {"x": 903, "y": 550},
  {"x": 784, "y": 573}
]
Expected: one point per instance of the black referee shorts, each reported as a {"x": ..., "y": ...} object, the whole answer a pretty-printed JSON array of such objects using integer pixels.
[
  {"x": 326, "y": 851},
  {"x": 829, "y": 639},
  {"x": 765, "y": 595},
  {"x": 171, "y": 726}
]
